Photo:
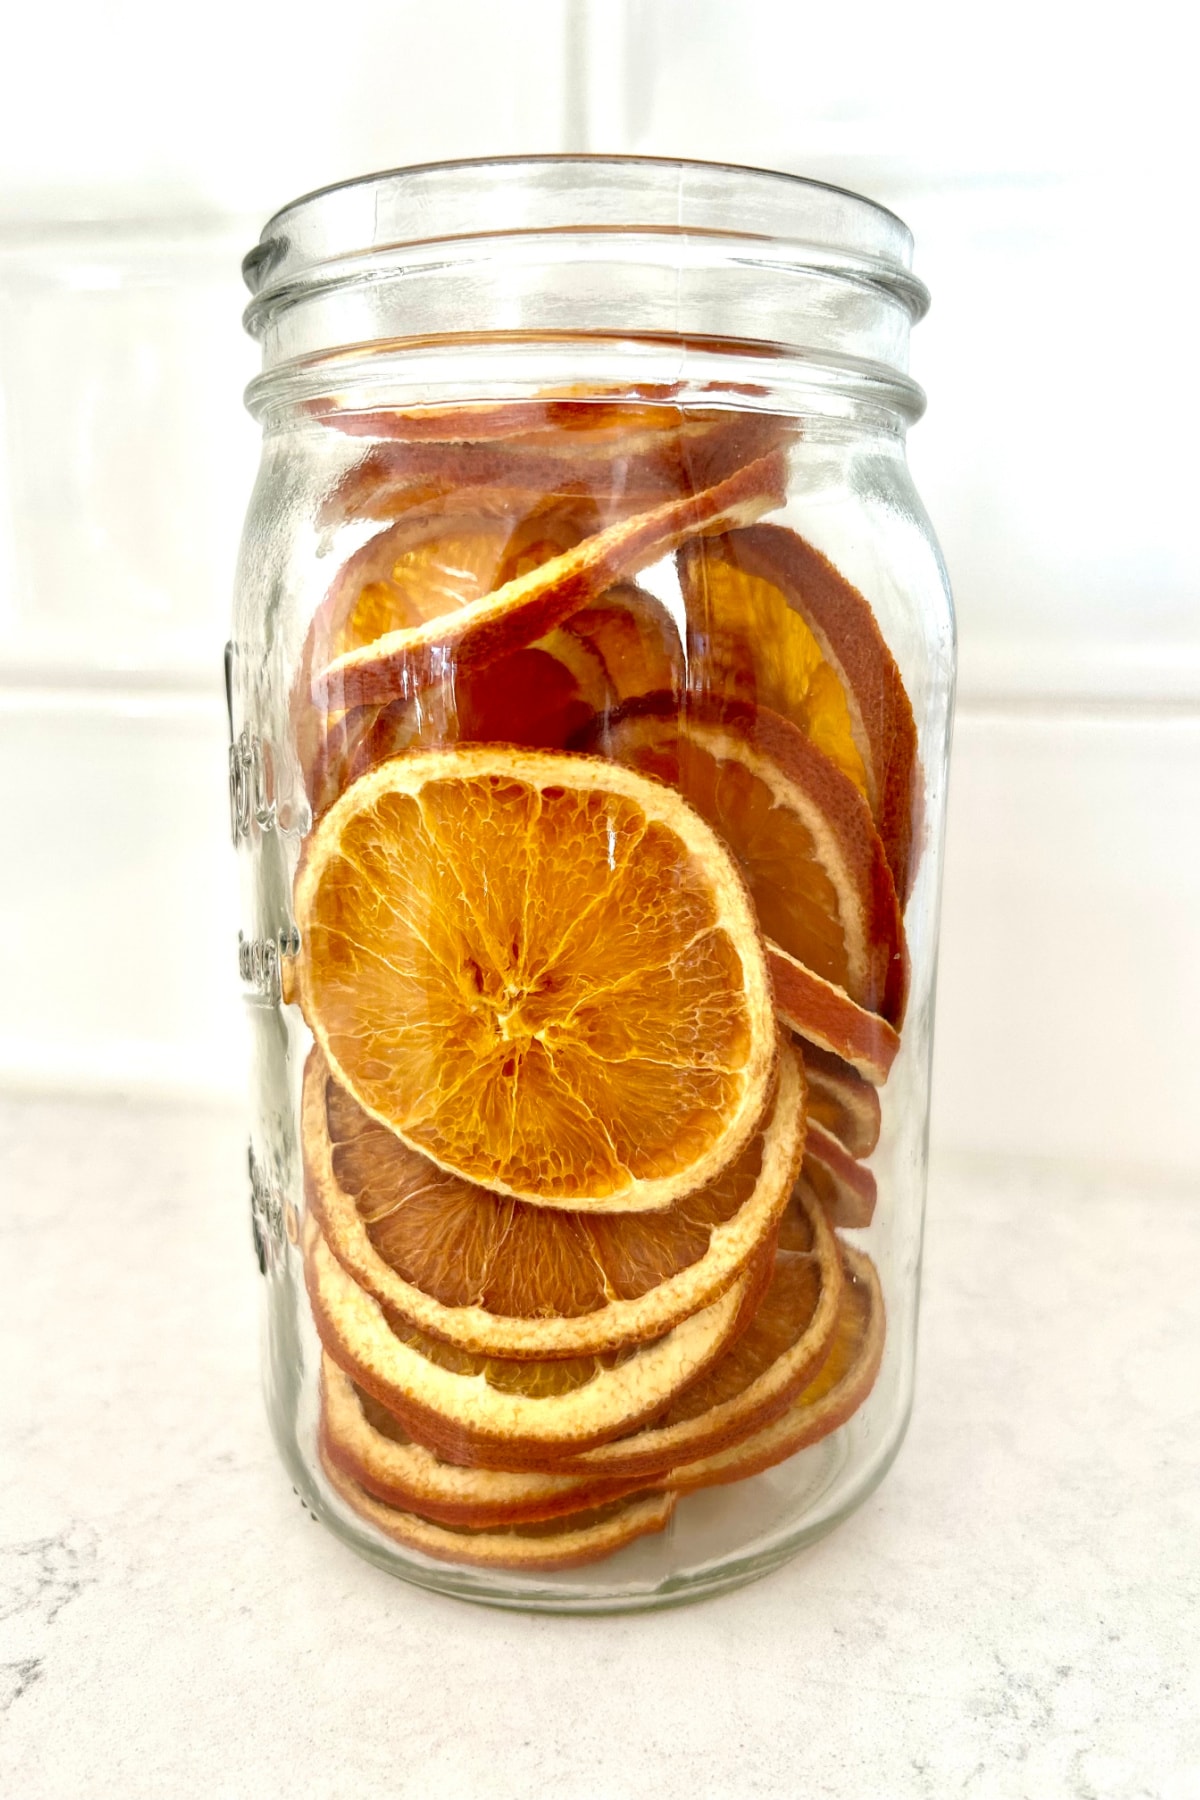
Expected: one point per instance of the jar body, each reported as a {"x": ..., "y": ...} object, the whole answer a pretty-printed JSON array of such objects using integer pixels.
[{"x": 590, "y": 711}]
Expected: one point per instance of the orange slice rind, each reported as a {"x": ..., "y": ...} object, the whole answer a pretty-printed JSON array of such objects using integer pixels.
[
  {"x": 840, "y": 1100},
  {"x": 604, "y": 420},
  {"x": 845, "y": 1188},
  {"x": 837, "y": 1390},
  {"x": 798, "y": 827},
  {"x": 543, "y": 972},
  {"x": 363, "y": 1440},
  {"x": 625, "y": 458},
  {"x": 773, "y": 605},
  {"x": 824, "y": 1014},
  {"x": 558, "y": 1544},
  {"x": 501, "y": 1278}
]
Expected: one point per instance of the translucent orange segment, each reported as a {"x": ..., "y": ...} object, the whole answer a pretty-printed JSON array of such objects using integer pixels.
[
  {"x": 425, "y": 581},
  {"x": 655, "y": 1114},
  {"x": 635, "y": 639},
  {"x": 797, "y": 904},
  {"x": 426, "y": 567},
  {"x": 751, "y": 645},
  {"x": 564, "y": 1375}
]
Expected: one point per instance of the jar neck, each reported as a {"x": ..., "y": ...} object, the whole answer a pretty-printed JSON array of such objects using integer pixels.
[
  {"x": 462, "y": 262},
  {"x": 516, "y": 366}
]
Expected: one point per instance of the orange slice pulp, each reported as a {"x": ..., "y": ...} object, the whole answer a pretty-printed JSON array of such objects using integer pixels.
[
  {"x": 627, "y": 456},
  {"x": 798, "y": 827},
  {"x": 543, "y": 972}
]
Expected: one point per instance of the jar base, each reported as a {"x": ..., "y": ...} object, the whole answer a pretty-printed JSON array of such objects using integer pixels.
[{"x": 823, "y": 1484}]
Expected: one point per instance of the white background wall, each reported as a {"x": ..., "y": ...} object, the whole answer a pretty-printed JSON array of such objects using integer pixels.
[{"x": 1044, "y": 157}]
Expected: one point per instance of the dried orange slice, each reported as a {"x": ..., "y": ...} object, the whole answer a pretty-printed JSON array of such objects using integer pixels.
[
  {"x": 494, "y": 1275},
  {"x": 536, "y": 699},
  {"x": 755, "y": 1378},
  {"x": 841, "y": 1101},
  {"x": 542, "y": 698},
  {"x": 556, "y": 1544},
  {"x": 432, "y": 562},
  {"x": 798, "y": 827},
  {"x": 602, "y": 419},
  {"x": 626, "y": 457},
  {"x": 823, "y": 1014},
  {"x": 846, "y": 1188},
  {"x": 496, "y": 1412},
  {"x": 542, "y": 971},
  {"x": 435, "y": 562},
  {"x": 635, "y": 641},
  {"x": 520, "y": 611},
  {"x": 365, "y": 1442},
  {"x": 835, "y": 1393},
  {"x": 769, "y": 610}
]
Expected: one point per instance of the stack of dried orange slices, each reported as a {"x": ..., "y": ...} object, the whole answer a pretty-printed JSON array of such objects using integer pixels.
[{"x": 602, "y": 954}]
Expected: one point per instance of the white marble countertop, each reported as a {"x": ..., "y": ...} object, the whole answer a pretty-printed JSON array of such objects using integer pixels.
[{"x": 1013, "y": 1614}]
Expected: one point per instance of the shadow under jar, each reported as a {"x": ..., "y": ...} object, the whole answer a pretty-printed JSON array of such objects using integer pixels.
[{"x": 590, "y": 692}]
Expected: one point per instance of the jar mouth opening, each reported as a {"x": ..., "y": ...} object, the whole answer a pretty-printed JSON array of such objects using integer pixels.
[
  {"x": 782, "y": 180},
  {"x": 639, "y": 247},
  {"x": 447, "y": 203}
]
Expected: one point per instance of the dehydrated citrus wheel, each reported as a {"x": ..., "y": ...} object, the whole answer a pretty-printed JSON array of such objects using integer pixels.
[
  {"x": 543, "y": 972},
  {"x": 494, "y": 1275},
  {"x": 835, "y": 1393},
  {"x": 556, "y": 1544},
  {"x": 435, "y": 562},
  {"x": 800, "y": 830},
  {"x": 772, "y": 614},
  {"x": 635, "y": 641},
  {"x": 845, "y": 1188},
  {"x": 525, "y": 608},
  {"x": 841, "y": 1101},
  {"x": 500, "y": 1413},
  {"x": 366, "y": 1443},
  {"x": 627, "y": 457},
  {"x": 597, "y": 419},
  {"x": 536, "y": 699},
  {"x": 432, "y": 562},
  {"x": 604, "y": 419},
  {"x": 755, "y": 1378},
  {"x": 824, "y": 1014}
]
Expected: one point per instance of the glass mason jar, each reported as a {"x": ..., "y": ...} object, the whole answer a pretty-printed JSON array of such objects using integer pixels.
[{"x": 590, "y": 691}]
